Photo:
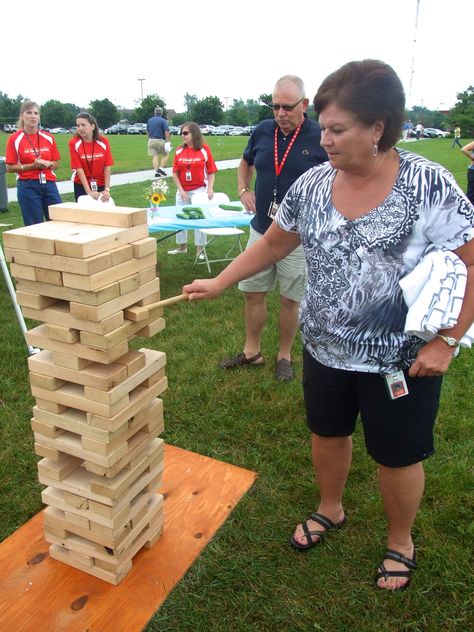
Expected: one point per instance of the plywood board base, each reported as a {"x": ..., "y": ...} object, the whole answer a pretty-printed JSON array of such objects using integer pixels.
[{"x": 39, "y": 593}]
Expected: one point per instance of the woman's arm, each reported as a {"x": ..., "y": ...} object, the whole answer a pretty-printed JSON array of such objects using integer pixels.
[
  {"x": 468, "y": 150},
  {"x": 273, "y": 246},
  {"x": 105, "y": 194},
  {"x": 210, "y": 185}
]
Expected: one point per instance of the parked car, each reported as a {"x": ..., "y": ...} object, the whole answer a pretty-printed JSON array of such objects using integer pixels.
[
  {"x": 237, "y": 131},
  {"x": 73, "y": 129},
  {"x": 433, "y": 132},
  {"x": 117, "y": 129},
  {"x": 206, "y": 129},
  {"x": 10, "y": 128},
  {"x": 59, "y": 130},
  {"x": 249, "y": 129},
  {"x": 138, "y": 128},
  {"x": 174, "y": 130},
  {"x": 222, "y": 130}
]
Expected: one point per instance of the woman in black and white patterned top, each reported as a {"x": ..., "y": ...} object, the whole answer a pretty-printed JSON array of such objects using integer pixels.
[{"x": 365, "y": 220}]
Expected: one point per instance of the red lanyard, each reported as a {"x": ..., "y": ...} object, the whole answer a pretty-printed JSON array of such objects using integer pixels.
[
  {"x": 279, "y": 167},
  {"x": 89, "y": 166}
]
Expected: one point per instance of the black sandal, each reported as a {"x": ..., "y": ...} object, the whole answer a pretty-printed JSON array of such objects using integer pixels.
[
  {"x": 324, "y": 522},
  {"x": 390, "y": 554},
  {"x": 241, "y": 360}
]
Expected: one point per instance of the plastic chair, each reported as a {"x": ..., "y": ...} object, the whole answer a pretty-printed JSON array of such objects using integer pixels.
[{"x": 213, "y": 233}]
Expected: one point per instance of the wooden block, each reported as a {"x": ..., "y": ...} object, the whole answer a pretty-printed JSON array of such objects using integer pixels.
[
  {"x": 38, "y": 338},
  {"x": 133, "y": 361},
  {"x": 53, "y": 277},
  {"x": 116, "y": 273},
  {"x": 48, "y": 452},
  {"x": 88, "y": 241},
  {"x": 59, "y": 314},
  {"x": 88, "y": 266},
  {"x": 109, "y": 492},
  {"x": 51, "y": 407},
  {"x": 125, "y": 332},
  {"x": 78, "y": 502},
  {"x": 100, "y": 376},
  {"x": 104, "y": 295},
  {"x": 147, "y": 275},
  {"x": 74, "y": 421},
  {"x": 68, "y": 362},
  {"x": 72, "y": 396},
  {"x": 83, "y": 560},
  {"x": 130, "y": 284},
  {"x": 19, "y": 271},
  {"x": 152, "y": 328},
  {"x": 46, "y": 382},
  {"x": 144, "y": 247},
  {"x": 154, "y": 414},
  {"x": 139, "y": 397},
  {"x": 58, "y": 470},
  {"x": 120, "y": 216},
  {"x": 63, "y": 334},
  {"x": 78, "y": 521},
  {"x": 37, "y": 237},
  {"x": 121, "y": 254},
  {"x": 157, "y": 377},
  {"x": 35, "y": 301},
  {"x": 153, "y": 298},
  {"x": 97, "y": 313},
  {"x": 154, "y": 362},
  {"x": 46, "y": 429},
  {"x": 61, "y": 554}
]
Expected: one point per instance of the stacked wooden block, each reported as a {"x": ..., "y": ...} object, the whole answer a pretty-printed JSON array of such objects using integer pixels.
[{"x": 97, "y": 416}]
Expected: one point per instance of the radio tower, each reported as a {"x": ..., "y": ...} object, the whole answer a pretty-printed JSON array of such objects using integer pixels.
[{"x": 413, "y": 57}]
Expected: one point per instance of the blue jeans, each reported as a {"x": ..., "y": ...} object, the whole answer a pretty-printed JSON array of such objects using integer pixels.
[
  {"x": 456, "y": 142},
  {"x": 34, "y": 199}
]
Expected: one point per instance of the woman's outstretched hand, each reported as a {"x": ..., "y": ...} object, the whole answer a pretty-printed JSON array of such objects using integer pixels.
[{"x": 203, "y": 288}]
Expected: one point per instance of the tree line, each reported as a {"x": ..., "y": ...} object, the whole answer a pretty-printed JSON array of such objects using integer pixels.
[{"x": 212, "y": 111}]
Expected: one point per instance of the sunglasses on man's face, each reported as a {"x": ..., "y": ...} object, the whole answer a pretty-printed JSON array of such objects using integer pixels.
[
  {"x": 286, "y": 108},
  {"x": 185, "y": 133}
]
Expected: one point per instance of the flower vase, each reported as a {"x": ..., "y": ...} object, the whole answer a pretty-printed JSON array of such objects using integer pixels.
[{"x": 153, "y": 212}]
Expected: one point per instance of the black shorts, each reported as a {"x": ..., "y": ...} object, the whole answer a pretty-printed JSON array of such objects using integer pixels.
[{"x": 397, "y": 432}]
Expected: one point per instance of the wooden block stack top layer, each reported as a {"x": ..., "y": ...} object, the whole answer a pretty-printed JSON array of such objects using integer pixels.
[{"x": 97, "y": 416}]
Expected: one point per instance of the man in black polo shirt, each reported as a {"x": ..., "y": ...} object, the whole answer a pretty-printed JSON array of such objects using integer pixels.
[
  {"x": 278, "y": 151},
  {"x": 159, "y": 144}
]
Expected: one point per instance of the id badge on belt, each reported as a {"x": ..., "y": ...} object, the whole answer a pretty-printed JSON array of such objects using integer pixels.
[
  {"x": 396, "y": 385},
  {"x": 93, "y": 185},
  {"x": 42, "y": 177}
]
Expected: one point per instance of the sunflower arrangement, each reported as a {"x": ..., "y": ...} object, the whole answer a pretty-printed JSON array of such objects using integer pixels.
[{"x": 156, "y": 191}]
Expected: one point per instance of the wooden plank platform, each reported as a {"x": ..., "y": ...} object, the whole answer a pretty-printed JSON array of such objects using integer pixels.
[{"x": 39, "y": 593}]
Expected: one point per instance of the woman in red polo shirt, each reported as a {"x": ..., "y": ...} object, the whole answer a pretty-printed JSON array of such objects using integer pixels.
[
  {"x": 91, "y": 159},
  {"x": 194, "y": 171},
  {"x": 33, "y": 155}
]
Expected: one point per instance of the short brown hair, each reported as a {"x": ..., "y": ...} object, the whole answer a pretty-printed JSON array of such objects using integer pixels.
[
  {"x": 371, "y": 91},
  {"x": 195, "y": 133}
]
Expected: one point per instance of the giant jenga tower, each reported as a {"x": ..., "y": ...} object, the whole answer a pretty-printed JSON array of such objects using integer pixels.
[{"x": 85, "y": 275}]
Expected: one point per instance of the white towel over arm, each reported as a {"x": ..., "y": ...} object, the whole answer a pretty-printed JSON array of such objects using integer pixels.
[{"x": 434, "y": 292}]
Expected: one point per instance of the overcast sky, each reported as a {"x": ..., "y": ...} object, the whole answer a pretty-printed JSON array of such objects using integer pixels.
[{"x": 80, "y": 51}]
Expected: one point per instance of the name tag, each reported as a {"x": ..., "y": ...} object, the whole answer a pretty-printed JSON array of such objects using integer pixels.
[
  {"x": 93, "y": 185},
  {"x": 396, "y": 385}
]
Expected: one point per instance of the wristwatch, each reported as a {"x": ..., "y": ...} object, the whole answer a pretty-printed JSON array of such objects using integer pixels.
[
  {"x": 242, "y": 191},
  {"x": 449, "y": 340}
]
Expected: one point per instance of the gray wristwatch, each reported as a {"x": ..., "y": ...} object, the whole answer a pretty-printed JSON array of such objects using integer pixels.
[{"x": 452, "y": 342}]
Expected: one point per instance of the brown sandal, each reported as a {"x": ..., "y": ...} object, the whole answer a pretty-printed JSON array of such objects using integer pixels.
[{"x": 241, "y": 360}]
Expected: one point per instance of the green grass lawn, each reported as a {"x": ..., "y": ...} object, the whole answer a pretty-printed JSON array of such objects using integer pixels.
[{"x": 248, "y": 578}]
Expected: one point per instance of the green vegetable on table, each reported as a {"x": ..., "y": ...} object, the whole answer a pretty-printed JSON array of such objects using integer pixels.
[{"x": 230, "y": 207}]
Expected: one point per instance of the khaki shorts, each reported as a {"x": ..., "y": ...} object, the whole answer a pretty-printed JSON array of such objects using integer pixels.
[
  {"x": 290, "y": 271},
  {"x": 156, "y": 147}
]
